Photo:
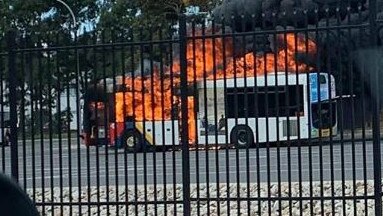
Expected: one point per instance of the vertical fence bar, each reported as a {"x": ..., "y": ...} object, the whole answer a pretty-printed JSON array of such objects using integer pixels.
[
  {"x": 376, "y": 136},
  {"x": 196, "y": 104},
  {"x": 207, "y": 111},
  {"x": 342, "y": 108},
  {"x": 184, "y": 116},
  {"x": 152, "y": 98},
  {"x": 39, "y": 115},
  {"x": 104, "y": 119},
  {"x": 375, "y": 109},
  {"x": 77, "y": 117},
  {"x": 2, "y": 78},
  {"x": 23, "y": 115},
  {"x": 364, "y": 143},
  {"x": 174, "y": 138},
  {"x": 12, "y": 79},
  {"x": 217, "y": 164},
  {"x": 59, "y": 126},
  {"x": 164, "y": 141},
  {"x": 144, "y": 119},
  {"x": 32, "y": 95},
  {"x": 50, "y": 126}
]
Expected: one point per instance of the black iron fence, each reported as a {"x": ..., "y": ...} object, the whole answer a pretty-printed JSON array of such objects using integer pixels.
[{"x": 252, "y": 115}]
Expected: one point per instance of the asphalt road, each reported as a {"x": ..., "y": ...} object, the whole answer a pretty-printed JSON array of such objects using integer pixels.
[{"x": 74, "y": 164}]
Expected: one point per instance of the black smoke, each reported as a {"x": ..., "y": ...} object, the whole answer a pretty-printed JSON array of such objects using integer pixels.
[
  {"x": 266, "y": 13},
  {"x": 324, "y": 22}
]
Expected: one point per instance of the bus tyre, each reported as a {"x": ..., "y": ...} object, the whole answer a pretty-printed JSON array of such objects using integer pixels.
[
  {"x": 132, "y": 141},
  {"x": 242, "y": 136}
]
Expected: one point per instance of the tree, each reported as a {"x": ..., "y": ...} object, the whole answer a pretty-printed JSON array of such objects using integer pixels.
[
  {"x": 37, "y": 24},
  {"x": 45, "y": 16},
  {"x": 141, "y": 20},
  {"x": 136, "y": 13}
]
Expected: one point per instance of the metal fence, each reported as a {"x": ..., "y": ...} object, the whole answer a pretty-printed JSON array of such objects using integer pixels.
[{"x": 270, "y": 115}]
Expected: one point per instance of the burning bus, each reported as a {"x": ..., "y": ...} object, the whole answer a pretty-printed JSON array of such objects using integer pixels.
[
  {"x": 239, "y": 111},
  {"x": 105, "y": 122},
  {"x": 242, "y": 101}
]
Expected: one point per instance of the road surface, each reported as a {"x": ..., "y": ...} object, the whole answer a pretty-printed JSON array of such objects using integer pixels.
[{"x": 74, "y": 164}]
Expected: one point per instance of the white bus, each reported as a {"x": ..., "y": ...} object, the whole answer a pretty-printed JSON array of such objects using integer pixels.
[
  {"x": 268, "y": 108},
  {"x": 241, "y": 111}
]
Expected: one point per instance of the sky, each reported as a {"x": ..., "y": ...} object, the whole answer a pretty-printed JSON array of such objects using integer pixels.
[
  {"x": 87, "y": 26},
  {"x": 90, "y": 25}
]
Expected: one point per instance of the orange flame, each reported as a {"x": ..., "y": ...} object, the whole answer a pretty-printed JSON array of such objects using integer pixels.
[{"x": 153, "y": 98}]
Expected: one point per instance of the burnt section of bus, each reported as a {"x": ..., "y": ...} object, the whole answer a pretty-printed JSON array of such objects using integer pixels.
[
  {"x": 95, "y": 103},
  {"x": 102, "y": 127}
]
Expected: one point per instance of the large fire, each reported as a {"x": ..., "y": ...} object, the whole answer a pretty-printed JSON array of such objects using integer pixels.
[{"x": 153, "y": 97}]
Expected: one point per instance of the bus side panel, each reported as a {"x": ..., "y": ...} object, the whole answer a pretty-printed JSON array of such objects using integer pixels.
[
  {"x": 262, "y": 130},
  {"x": 169, "y": 133},
  {"x": 289, "y": 128},
  {"x": 115, "y": 131},
  {"x": 212, "y": 137},
  {"x": 158, "y": 132}
]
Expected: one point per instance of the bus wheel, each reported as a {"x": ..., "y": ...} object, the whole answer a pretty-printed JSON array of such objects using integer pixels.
[
  {"x": 132, "y": 141},
  {"x": 242, "y": 136}
]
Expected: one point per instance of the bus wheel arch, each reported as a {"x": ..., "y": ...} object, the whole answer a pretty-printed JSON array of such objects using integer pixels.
[
  {"x": 242, "y": 136},
  {"x": 132, "y": 141}
]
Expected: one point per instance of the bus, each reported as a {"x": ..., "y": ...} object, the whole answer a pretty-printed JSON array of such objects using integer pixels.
[{"x": 239, "y": 111}]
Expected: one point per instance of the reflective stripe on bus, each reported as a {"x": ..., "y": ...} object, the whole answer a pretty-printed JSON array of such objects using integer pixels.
[{"x": 148, "y": 136}]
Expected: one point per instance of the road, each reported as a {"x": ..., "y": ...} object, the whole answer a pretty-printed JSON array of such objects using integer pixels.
[{"x": 74, "y": 164}]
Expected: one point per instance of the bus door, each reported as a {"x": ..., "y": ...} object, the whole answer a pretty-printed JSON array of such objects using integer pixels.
[{"x": 323, "y": 106}]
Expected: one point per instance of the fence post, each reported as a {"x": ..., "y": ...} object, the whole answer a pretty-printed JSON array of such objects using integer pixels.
[
  {"x": 375, "y": 110},
  {"x": 12, "y": 80},
  {"x": 184, "y": 116}
]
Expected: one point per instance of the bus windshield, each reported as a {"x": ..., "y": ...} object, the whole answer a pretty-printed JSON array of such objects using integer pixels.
[{"x": 97, "y": 112}]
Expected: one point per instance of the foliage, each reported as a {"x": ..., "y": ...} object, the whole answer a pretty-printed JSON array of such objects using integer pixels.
[
  {"x": 44, "y": 121},
  {"x": 45, "y": 16},
  {"x": 137, "y": 13},
  {"x": 43, "y": 20}
]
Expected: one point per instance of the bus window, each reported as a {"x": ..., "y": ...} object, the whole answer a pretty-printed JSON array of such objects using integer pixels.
[
  {"x": 97, "y": 108},
  {"x": 246, "y": 100},
  {"x": 322, "y": 79}
]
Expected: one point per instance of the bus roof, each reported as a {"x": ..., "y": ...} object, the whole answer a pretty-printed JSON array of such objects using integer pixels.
[{"x": 268, "y": 80}]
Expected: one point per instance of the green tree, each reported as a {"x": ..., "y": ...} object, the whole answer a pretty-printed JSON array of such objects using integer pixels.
[
  {"x": 140, "y": 20},
  {"x": 42, "y": 23}
]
